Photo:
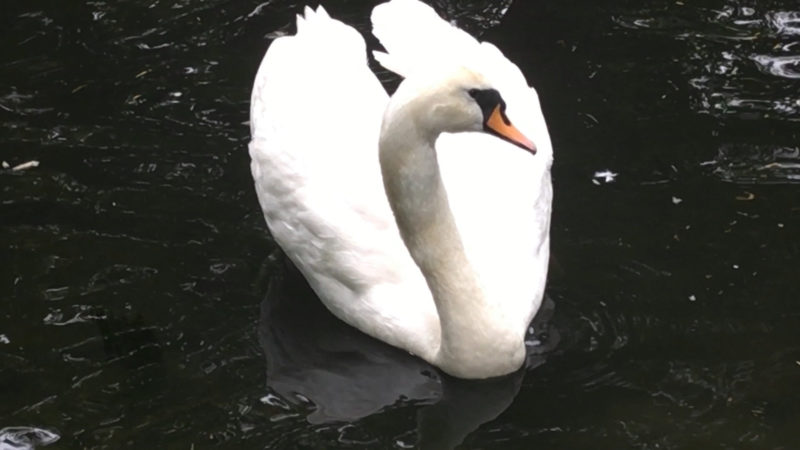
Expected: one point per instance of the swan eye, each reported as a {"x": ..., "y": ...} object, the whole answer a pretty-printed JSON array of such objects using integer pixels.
[
  {"x": 495, "y": 120},
  {"x": 487, "y": 100}
]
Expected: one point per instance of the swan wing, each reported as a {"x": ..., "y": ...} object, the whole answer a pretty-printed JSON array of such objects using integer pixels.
[
  {"x": 500, "y": 196},
  {"x": 315, "y": 117}
]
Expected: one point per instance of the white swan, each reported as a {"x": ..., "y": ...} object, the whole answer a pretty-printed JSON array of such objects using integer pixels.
[{"x": 409, "y": 221}]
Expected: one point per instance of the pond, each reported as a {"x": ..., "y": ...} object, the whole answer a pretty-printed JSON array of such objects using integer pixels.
[{"x": 144, "y": 304}]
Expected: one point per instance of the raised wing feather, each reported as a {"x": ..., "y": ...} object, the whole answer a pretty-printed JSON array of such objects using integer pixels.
[{"x": 315, "y": 121}]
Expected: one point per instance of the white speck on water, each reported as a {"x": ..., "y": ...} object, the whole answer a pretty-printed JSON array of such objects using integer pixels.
[
  {"x": 25, "y": 166},
  {"x": 735, "y": 266},
  {"x": 209, "y": 367},
  {"x": 6, "y": 165},
  {"x": 780, "y": 225},
  {"x": 606, "y": 176},
  {"x": 402, "y": 444},
  {"x": 692, "y": 298},
  {"x": 676, "y": 200},
  {"x": 281, "y": 417},
  {"x": 4, "y": 339},
  {"x": 258, "y": 9},
  {"x": 245, "y": 409}
]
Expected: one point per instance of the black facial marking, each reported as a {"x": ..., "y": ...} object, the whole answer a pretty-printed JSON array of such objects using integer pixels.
[{"x": 487, "y": 100}]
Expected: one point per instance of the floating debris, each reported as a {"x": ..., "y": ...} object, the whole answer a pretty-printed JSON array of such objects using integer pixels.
[
  {"x": 692, "y": 298},
  {"x": 676, "y": 200},
  {"x": 25, "y": 165},
  {"x": 606, "y": 176},
  {"x": 6, "y": 165},
  {"x": 748, "y": 196}
]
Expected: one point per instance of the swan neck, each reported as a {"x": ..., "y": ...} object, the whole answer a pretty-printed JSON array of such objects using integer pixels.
[{"x": 475, "y": 341}]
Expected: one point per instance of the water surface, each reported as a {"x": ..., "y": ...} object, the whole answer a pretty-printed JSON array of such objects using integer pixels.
[{"x": 145, "y": 305}]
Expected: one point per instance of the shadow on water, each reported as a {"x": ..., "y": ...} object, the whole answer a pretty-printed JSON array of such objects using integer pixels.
[{"x": 338, "y": 375}]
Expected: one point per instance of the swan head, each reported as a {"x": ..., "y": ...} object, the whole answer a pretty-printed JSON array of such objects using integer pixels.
[{"x": 459, "y": 100}]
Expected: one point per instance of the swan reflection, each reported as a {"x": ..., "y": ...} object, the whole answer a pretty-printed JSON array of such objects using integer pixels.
[{"x": 312, "y": 357}]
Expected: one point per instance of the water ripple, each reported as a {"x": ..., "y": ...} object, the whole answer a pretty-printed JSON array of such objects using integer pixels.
[
  {"x": 758, "y": 164},
  {"x": 741, "y": 61},
  {"x": 26, "y": 438},
  {"x": 785, "y": 22},
  {"x": 782, "y": 66},
  {"x": 474, "y": 16}
]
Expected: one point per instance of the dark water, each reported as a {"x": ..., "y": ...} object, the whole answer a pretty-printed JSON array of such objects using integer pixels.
[{"x": 144, "y": 305}]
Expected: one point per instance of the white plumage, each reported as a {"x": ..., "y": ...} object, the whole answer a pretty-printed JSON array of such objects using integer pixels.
[{"x": 316, "y": 117}]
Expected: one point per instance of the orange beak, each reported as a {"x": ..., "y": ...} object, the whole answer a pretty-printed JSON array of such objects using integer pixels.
[{"x": 499, "y": 125}]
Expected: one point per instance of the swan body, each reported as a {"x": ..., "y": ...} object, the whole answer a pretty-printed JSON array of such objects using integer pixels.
[{"x": 409, "y": 221}]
